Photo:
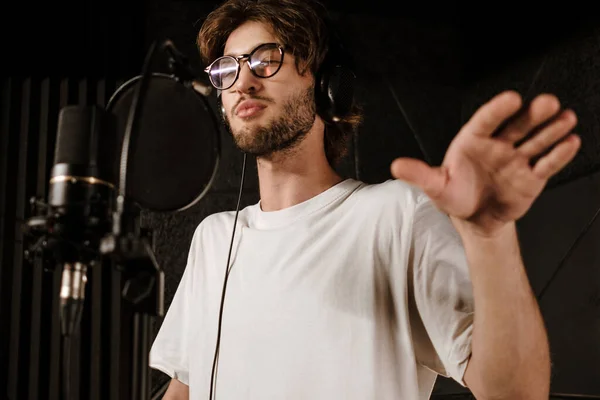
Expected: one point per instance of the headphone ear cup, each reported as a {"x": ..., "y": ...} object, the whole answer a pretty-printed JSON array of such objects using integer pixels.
[
  {"x": 335, "y": 91},
  {"x": 340, "y": 91},
  {"x": 335, "y": 79}
]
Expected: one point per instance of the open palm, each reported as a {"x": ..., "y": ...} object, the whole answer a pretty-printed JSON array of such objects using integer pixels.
[{"x": 499, "y": 162}]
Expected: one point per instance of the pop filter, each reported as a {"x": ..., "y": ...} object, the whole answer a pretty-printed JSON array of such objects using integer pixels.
[{"x": 174, "y": 155}]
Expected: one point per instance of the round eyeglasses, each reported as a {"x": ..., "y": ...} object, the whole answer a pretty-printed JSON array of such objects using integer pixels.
[{"x": 264, "y": 62}]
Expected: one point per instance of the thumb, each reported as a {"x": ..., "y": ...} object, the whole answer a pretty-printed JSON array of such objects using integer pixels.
[{"x": 432, "y": 180}]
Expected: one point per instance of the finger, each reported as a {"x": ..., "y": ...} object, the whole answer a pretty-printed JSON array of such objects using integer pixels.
[
  {"x": 556, "y": 159},
  {"x": 488, "y": 118},
  {"x": 549, "y": 135},
  {"x": 541, "y": 109},
  {"x": 416, "y": 172}
]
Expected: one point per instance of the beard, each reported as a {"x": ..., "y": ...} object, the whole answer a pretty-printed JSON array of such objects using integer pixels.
[{"x": 281, "y": 134}]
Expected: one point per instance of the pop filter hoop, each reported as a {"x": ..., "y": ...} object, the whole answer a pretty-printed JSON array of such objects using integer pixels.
[{"x": 175, "y": 119}]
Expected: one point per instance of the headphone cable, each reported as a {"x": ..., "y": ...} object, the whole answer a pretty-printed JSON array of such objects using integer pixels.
[{"x": 213, "y": 377}]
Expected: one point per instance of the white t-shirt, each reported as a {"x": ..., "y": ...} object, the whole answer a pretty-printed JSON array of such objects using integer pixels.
[{"x": 361, "y": 292}]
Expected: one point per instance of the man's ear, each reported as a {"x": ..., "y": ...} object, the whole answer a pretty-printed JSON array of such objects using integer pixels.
[{"x": 303, "y": 68}]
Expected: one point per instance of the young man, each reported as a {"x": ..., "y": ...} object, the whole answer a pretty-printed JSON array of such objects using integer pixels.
[{"x": 342, "y": 290}]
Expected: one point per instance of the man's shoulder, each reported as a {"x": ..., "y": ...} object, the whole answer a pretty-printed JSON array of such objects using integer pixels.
[
  {"x": 222, "y": 222},
  {"x": 391, "y": 192}
]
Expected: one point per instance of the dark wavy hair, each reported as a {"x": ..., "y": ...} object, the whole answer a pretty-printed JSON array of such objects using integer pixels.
[{"x": 301, "y": 26}]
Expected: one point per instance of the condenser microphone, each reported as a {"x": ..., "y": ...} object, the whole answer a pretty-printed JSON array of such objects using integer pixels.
[{"x": 80, "y": 200}]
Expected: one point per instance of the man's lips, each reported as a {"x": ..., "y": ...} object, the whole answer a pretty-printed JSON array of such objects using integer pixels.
[{"x": 248, "y": 108}]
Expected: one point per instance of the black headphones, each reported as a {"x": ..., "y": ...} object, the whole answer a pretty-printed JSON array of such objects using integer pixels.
[{"x": 334, "y": 80}]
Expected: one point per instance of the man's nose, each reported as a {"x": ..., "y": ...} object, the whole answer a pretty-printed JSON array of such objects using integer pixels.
[{"x": 247, "y": 82}]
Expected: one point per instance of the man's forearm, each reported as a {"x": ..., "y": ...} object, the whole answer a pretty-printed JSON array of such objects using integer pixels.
[
  {"x": 510, "y": 352},
  {"x": 177, "y": 391}
]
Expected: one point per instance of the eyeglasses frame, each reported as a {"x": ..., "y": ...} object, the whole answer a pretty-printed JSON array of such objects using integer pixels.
[{"x": 247, "y": 56}]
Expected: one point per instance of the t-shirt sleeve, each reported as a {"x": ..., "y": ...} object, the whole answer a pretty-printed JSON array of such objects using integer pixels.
[
  {"x": 169, "y": 351},
  {"x": 440, "y": 293}
]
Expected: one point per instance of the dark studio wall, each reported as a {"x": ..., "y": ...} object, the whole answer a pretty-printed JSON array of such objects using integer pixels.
[{"x": 422, "y": 72}]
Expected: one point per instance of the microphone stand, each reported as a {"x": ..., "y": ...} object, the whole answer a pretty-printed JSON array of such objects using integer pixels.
[{"x": 143, "y": 278}]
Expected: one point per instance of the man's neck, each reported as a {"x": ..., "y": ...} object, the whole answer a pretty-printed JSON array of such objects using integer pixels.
[{"x": 292, "y": 179}]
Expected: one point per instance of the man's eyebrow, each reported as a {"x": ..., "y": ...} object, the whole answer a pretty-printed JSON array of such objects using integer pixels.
[{"x": 233, "y": 54}]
